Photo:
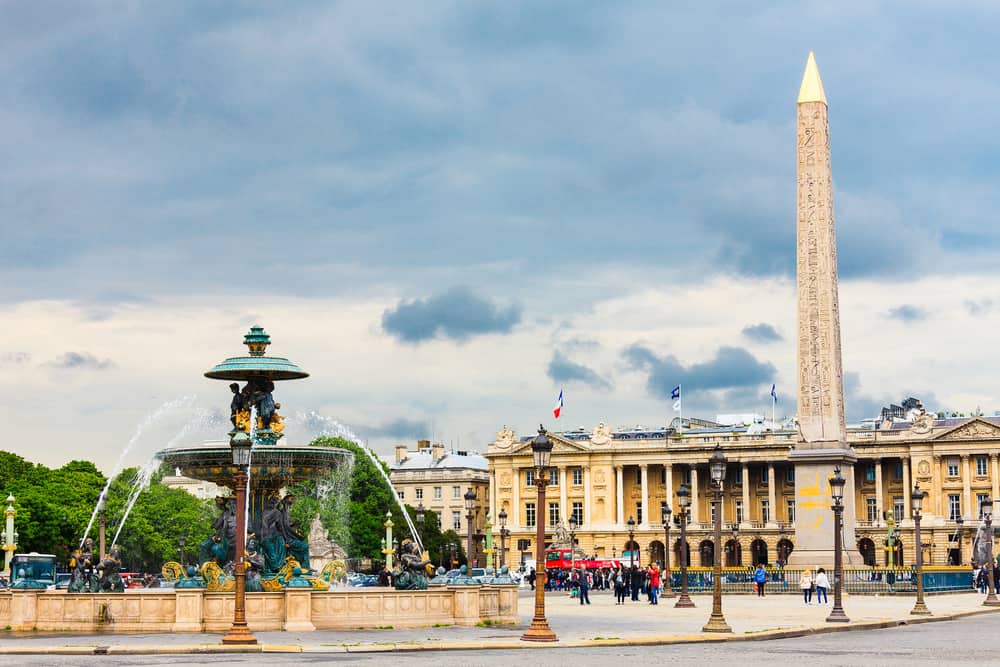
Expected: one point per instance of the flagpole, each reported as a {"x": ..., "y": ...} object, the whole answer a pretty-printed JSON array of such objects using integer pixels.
[{"x": 680, "y": 401}]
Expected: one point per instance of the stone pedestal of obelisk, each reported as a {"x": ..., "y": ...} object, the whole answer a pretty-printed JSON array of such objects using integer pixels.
[{"x": 822, "y": 443}]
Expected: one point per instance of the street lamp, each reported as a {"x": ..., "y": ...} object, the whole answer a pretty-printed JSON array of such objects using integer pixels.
[
  {"x": 420, "y": 523},
  {"x": 470, "y": 499},
  {"x": 837, "y": 484},
  {"x": 631, "y": 542},
  {"x": 684, "y": 501},
  {"x": 239, "y": 633},
  {"x": 987, "y": 509},
  {"x": 572, "y": 542},
  {"x": 9, "y": 535},
  {"x": 960, "y": 529},
  {"x": 539, "y": 631},
  {"x": 717, "y": 469},
  {"x": 667, "y": 589},
  {"x": 502, "y": 516},
  {"x": 737, "y": 561},
  {"x": 182, "y": 542},
  {"x": 916, "y": 501}
]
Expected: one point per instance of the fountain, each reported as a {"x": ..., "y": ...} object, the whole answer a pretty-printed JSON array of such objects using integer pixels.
[{"x": 273, "y": 467}]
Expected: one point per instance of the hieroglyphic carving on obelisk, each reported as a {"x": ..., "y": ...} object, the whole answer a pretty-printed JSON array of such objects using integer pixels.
[{"x": 821, "y": 384}]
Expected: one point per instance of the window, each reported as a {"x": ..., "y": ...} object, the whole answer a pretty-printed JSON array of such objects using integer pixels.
[
  {"x": 790, "y": 475},
  {"x": 898, "y": 509},
  {"x": 899, "y": 470},
  {"x": 687, "y": 476},
  {"x": 578, "y": 513},
  {"x": 638, "y": 512},
  {"x": 764, "y": 475},
  {"x": 790, "y": 509},
  {"x": 456, "y": 492},
  {"x": 577, "y": 476},
  {"x": 553, "y": 477},
  {"x": 553, "y": 514},
  {"x": 952, "y": 467},
  {"x": 400, "y": 493},
  {"x": 437, "y": 492},
  {"x": 420, "y": 493},
  {"x": 870, "y": 473},
  {"x": 739, "y": 511},
  {"x": 529, "y": 477},
  {"x": 871, "y": 505},
  {"x": 456, "y": 521},
  {"x": 981, "y": 466},
  {"x": 529, "y": 515},
  {"x": 954, "y": 506},
  {"x": 765, "y": 510},
  {"x": 438, "y": 514},
  {"x": 980, "y": 499}
]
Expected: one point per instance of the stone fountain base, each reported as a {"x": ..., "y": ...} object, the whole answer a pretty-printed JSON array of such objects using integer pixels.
[{"x": 294, "y": 610}]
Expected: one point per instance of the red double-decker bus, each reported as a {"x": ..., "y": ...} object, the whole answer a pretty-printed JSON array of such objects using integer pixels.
[{"x": 559, "y": 559}]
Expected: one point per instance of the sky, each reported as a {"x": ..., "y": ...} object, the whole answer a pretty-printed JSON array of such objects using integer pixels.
[{"x": 446, "y": 212}]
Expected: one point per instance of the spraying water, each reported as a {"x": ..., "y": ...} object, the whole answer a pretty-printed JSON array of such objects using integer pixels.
[
  {"x": 253, "y": 441},
  {"x": 320, "y": 425},
  {"x": 150, "y": 419},
  {"x": 139, "y": 484}
]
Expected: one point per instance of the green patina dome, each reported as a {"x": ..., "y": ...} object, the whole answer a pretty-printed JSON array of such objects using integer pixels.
[{"x": 256, "y": 364}]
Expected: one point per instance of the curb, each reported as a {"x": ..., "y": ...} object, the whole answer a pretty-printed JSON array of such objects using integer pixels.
[{"x": 406, "y": 647}]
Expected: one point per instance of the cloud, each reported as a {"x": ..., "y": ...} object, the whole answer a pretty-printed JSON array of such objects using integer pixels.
[
  {"x": 732, "y": 367},
  {"x": 907, "y": 313},
  {"x": 399, "y": 428},
  {"x": 80, "y": 361},
  {"x": 456, "y": 314},
  {"x": 979, "y": 307},
  {"x": 562, "y": 369},
  {"x": 762, "y": 333},
  {"x": 14, "y": 358}
]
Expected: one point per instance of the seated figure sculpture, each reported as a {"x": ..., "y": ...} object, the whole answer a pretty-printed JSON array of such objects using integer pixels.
[
  {"x": 110, "y": 579},
  {"x": 412, "y": 575}
]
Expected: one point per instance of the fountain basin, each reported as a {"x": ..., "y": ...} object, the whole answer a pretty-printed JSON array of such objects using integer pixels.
[{"x": 272, "y": 466}]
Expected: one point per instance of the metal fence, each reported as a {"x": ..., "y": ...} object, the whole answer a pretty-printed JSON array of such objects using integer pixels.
[{"x": 858, "y": 581}]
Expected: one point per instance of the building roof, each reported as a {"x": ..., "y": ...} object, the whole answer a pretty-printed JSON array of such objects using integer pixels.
[{"x": 423, "y": 460}]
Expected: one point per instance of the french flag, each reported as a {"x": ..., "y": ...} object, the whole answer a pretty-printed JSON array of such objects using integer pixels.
[{"x": 559, "y": 405}]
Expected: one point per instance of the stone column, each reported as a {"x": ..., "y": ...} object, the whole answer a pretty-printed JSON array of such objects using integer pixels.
[
  {"x": 493, "y": 508},
  {"x": 586, "y": 496},
  {"x": 746, "y": 491},
  {"x": 514, "y": 516},
  {"x": 668, "y": 471},
  {"x": 967, "y": 510},
  {"x": 879, "y": 503},
  {"x": 563, "y": 508},
  {"x": 772, "y": 501},
  {"x": 907, "y": 489},
  {"x": 938, "y": 495},
  {"x": 619, "y": 496},
  {"x": 695, "y": 509},
  {"x": 298, "y": 610},
  {"x": 188, "y": 610},
  {"x": 995, "y": 475},
  {"x": 644, "y": 471}
]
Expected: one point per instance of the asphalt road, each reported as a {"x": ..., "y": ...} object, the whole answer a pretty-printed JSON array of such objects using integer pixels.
[{"x": 969, "y": 641}]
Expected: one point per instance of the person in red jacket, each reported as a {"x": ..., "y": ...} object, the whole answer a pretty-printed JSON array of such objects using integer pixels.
[{"x": 654, "y": 583}]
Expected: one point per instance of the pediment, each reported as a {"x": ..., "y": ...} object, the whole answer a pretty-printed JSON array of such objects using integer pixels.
[
  {"x": 974, "y": 429},
  {"x": 559, "y": 446}
]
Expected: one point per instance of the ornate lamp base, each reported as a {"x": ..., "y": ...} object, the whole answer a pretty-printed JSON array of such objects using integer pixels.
[
  {"x": 837, "y": 616},
  {"x": 684, "y": 602},
  {"x": 920, "y": 609},
  {"x": 539, "y": 631},
  {"x": 716, "y": 623},
  {"x": 239, "y": 634}
]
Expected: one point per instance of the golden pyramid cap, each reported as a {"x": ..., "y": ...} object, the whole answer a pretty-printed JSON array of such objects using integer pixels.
[{"x": 811, "y": 89}]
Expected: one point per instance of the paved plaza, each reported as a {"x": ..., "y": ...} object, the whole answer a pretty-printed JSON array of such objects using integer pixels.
[{"x": 602, "y": 623}]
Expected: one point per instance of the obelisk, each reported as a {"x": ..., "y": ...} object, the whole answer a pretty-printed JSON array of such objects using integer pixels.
[{"x": 822, "y": 443}]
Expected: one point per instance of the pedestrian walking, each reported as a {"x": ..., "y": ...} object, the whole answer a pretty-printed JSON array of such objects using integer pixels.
[
  {"x": 806, "y": 583},
  {"x": 584, "y": 587},
  {"x": 654, "y": 584},
  {"x": 619, "y": 587},
  {"x": 531, "y": 578},
  {"x": 822, "y": 586},
  {"x": 760, "y": 578},
  {"x": 635, "y": 582}
]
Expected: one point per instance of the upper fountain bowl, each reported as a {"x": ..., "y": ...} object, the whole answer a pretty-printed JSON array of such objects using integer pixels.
[{"x": 256, "y": 365}]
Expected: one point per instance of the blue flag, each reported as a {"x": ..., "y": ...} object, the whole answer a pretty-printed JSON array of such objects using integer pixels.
[
  {"x": 676, "y": 393},
  {"x": 774, "y": 394}
]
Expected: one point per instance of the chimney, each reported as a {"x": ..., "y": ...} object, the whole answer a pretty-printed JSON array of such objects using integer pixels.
[
  {"x": 401, "y": 453},
  {"x": 423, "y": 445},
  {"x": 437, "y": 451}
]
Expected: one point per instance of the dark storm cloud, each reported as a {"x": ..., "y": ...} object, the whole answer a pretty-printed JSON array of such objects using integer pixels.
[
  {"x": 762, "y": 333},
  {"x": 456, "y": 314},
  {"x": 907, "y": 313},
  {"x": 731, "y": 368},
  {"x": 562, "y": 370},
  {"x": 80, "y": 361},
  {"x": 859, "y": 404},
  {"x": 398, "y": 428}
]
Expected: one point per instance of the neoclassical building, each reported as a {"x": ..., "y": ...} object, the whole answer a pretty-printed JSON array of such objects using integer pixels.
[{"x": 606, "y": 477}]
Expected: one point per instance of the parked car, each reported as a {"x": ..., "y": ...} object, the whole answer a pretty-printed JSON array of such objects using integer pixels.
[{"x": 357, "y": 580}]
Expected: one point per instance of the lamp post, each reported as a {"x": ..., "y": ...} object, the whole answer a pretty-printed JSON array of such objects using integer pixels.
[
  {"x": 502, "y": 516},
  {"x": 539, "y": 631},
  {"x": 916, "y": 501},
  {"x": 470, "y": 500},
  {"x": 960, "y": 529},
  {"x": 9, "y": 535},
  {"x": 987, "y": 509},
  {"x": 489, "y": 552},
  {"x": 102, "y": 522},
  {"x": 239, "y": 633},
  {"x": 182, "y": 542},
  {"x": 420, "y": 523},
  {"x": 684, "y": 501},
  {"x": 667, "y": 589},
  {"x": 387, "y": 547},
  {"x": 737, "y": 561},
  {"x": 572, "y": 542},
  {"x": 631, "y": 542},
  {"x": 717, "y": 468},
  {"x": 837, "y": 483}
]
